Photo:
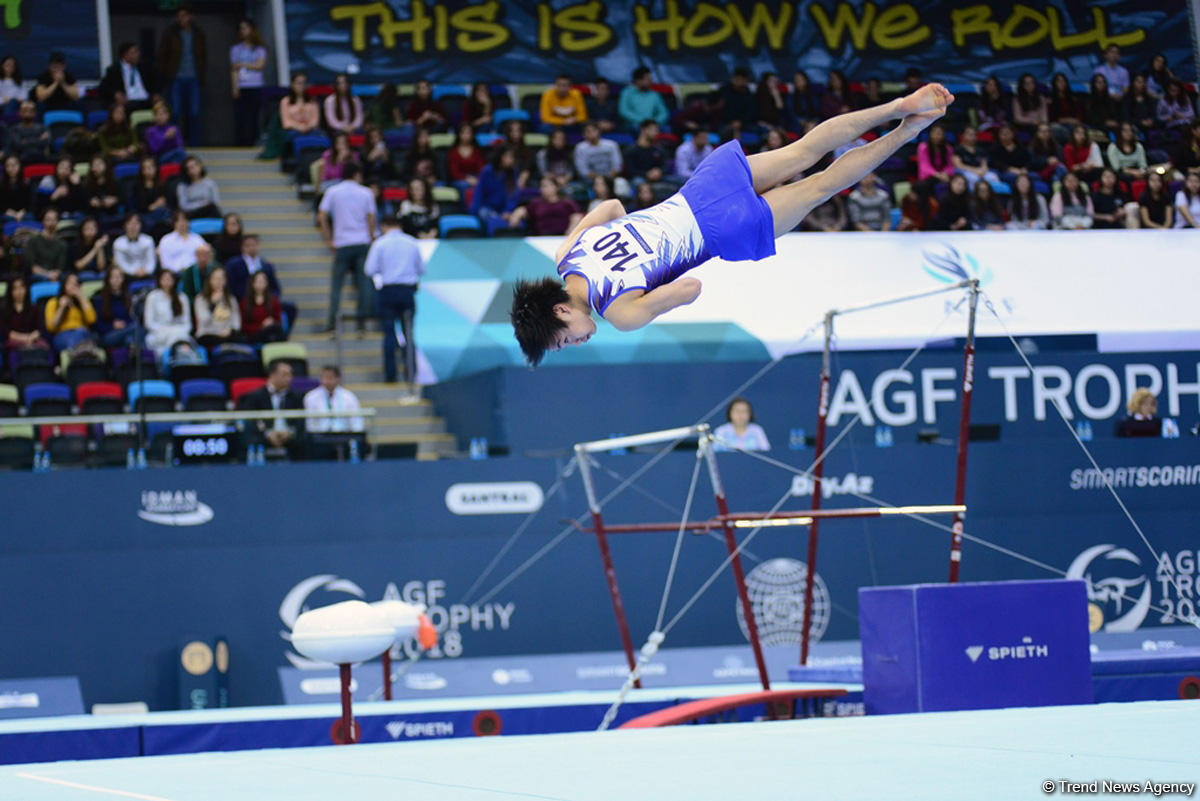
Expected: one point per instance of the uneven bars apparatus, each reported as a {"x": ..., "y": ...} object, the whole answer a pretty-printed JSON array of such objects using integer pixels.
[{"x": 964, "y": 423}]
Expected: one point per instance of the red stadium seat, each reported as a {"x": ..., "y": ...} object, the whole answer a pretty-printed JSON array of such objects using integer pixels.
[
  {"x": 169, "y": 170},
  {"x": 241, "y": 386},
  {"x": 99, "y": 397},
  {"x": 1138, "y": 188},
  {"x": 38, "y": 170},
  {"x": 320, "y": 90},
  {"x": 357, "y": 140},
  {"x": 68, "y": 430},
  {"x": 395, "y": 193}
]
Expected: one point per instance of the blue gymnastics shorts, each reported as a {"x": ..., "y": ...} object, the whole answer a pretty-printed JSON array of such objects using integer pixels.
[{"x": 736, "y": 222}]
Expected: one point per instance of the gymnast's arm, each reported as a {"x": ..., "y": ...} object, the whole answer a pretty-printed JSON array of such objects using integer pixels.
[
  {"x": 627, "y": 312},
  {"x": 607, "y": 211}
]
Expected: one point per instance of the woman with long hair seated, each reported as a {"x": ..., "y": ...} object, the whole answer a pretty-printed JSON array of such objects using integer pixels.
[
  {"x": 262, "y": 314},
  {"x": 114, "y": 310},
  {"x": 168, "y": 317},
  {"x": 218, "y": 319}
]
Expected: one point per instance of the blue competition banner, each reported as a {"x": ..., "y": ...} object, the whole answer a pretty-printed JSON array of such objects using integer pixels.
[
  {"x": 30, "y": 31},
  {"x": 524, "y": 41}
]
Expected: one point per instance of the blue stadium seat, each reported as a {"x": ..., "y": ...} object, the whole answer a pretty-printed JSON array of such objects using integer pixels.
[
  {"x": 48, "y": 399},
  {"x": 505, "y": 114},
  {"x": 448, "y": 90},
  {"x": 96, "y": 118},
  {"x": 364, "y": 90},
  {"x": 202, "y": 394},
  {"x": 64, "y": 116},
  {"x": 12, "y": 226},
  {"x": 126, "y": 169},
  {"x": 301, "y": 143},
  {"x": 151, "y": 389},
  {"x": 467, "y": 223},
  {"x": 895, "y": 218},
  {"x": 487, "y": 138},
  {"x": 206, "y": 226},
  {"x": 42, "y": 289}
]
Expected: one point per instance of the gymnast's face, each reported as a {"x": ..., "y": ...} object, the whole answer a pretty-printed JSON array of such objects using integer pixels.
[{"x": 579, "y": 326}]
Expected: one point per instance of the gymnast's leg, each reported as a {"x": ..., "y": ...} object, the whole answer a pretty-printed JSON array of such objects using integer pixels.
[{"x": 776, "y": 166}]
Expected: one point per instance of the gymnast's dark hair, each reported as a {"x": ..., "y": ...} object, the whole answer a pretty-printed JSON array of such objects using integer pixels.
[{"x": 533, "y": 318}]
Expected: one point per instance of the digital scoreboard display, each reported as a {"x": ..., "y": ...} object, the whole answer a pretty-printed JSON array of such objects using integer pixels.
[{"x": 205, "y": 443}]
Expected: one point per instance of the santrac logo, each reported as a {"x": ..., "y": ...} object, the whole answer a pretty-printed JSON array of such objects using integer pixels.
[
  {"x": 1111, "y": 596},
  {"x": 174, "y": 508},
  {"x": 949, "y": 265}
]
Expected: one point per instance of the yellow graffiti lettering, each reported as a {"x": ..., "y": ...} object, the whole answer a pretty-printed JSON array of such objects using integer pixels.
[
  {"x": 581, "y": 28},
  {"x": 647, "y": 27},
  {"x": 705, "y": 13},
  {"x": 834, "y": 31},
  {"x": 441, "y": 33},
  {"x": 545, "y": 20},
  {"x": 760, "y": 19},
  {"x": 478, "y": 29},
  {"x": 973, "y": 21},
  {"x": 1022, "y": 14},
  {"x": 389, "y": 27},
  {"x": 1097, "y": 35},
  {"x": 977, "y": 21},
  {"x": 899, "y": 27}
]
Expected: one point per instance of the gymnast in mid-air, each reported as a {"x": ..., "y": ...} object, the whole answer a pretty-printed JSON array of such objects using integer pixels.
[{"x": 629, "y": 268}]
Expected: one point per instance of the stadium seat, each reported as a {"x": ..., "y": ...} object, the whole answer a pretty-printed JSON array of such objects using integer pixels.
[
  {"x": 32, "y": 171},
  {"x": 437, "y": 140},
  {"x": 394, "y": 193},
  {"x": 154, "y": 395},
  {"x": 312, "y": 142},
  {"x": 48, "y": 400},
  {"x": 364, "y": 90},
  {"x": 60, "y": 121},
  {"x": 202, "y": 395},
  {"x": 454, "y": 226},
  {"x": 88, "y": 366},
  {"x": 90, "y": 287},
  {"x": 82, "y": 169},
  {"x": 231, "y": 362},
  {"x": 487, "y": 138},
  {"x": 448, "y": 90},
  {"x": 16, "y": 446},
  {"x": 31, "y": 366},
  {"x": 207, "y": 226},
  {"x": 125, "y": 169},
  {"x": 9, "y": 400},
  {"x": 41, "y": 290},
  {"x": 168, "y": 170},
  {"x": 112, "y": 450},
  {"x": 66, "y": 444},
  {"x": 99, "y": 397},
  {"x": 293, "y": 353},
  {"x": 140, "y": 120},
  {"x": 305, "y": 384},
  {"x": 536, "y": 139},
  {"x": 503, "y": 115},
  {"x": 241, "y": 386},
  {"x": 96, "y": 118}
]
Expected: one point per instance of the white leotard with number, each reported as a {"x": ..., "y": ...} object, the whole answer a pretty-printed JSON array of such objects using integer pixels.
[{"x": 642, "y": 250}]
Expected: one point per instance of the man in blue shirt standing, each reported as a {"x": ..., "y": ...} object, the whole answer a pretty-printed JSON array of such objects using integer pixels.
[
  {"x": 395, "y": 264},
  {"x": 183, "y": 57},
  {"x": 639, "y": 102}
]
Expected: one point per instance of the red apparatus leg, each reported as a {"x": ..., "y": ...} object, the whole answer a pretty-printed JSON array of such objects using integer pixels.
[
  {"x": 964, "y": 430},
  {"x": 347, "y": 714},
  {"x": 387, "y": 675},
  {"x": 818, "y": 471},
  {"x": 614, "y": 592},
  {"x": 743, "y": 594}
]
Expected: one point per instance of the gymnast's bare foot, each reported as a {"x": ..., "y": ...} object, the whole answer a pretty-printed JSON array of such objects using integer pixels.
[
  {"x": 930, "y": 97},
  {"x": 915, "y": 123}
]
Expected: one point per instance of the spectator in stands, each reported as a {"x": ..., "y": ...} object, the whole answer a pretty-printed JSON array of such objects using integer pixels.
[
  {"x": 551, "y": 213},
  {"x": 193, "y": 279},
  {"x": 247, "y": 59},
  {"x": 396, "y": 265},
  {"x": 639, "y": 102},
  {"x": 343, "y": 111},
  {"x": 88, "y": 253},
  {"x": 935, "y": 158},
  {"x": 419, "y": 211},
  {"x": 177, "y": 250},
  {"x": 1154, "y": 206},
  {"x": 423, "y": 111},
  {"x": 1008, "y": 159},
  {"x": 331, "y": 396},
  {"x": 969, "y": 160},
  {"x": 602, "y": 107},
  {"x": 352, "y": 207},
  {"x": 28, "y": 139},
  {"x": 465, "y": 160},
  {"x": 56, "y": 88},
  {"x": 689, "y": 154},
  {"x": 595, "y": 156},
  {"x": 556, "y": 158},
  {"x": 1030, "y": 108},
  {"x": 376, "y": 158},
  {"x": 837, "y": 98},
  {"x": 1027, "y": 209},
  {"x": 114, "y": 310},
  {"x": 1187, "y": 156},
  {"x": 298, "y": 113},
  {"x": 229, "y": 242},
  {"x": 873, "y": 93},
  {"x": 602, "y": 190},
  {"x": 283, "y": 434},
  {"x": 986, "y": 213},
  {"x": 168, "y": 317},
  {"x": 421, "y": 161},
  {"x": 645, "y": 159},
  {"x": 919, "y": 209},
  {"x": 1071, "y": 207},
  {"x": 385, "y": 110},
  {"x": 479, "y": 107},
  {"x": 12, "y": 92},
  {"x": 183, "y": 58},
  {"x": 499, "y": 189},
  {"x": 702, "y": 113},
  {"x": 562, "y": 104},
  {"x": 768, "y": 97},
  {"x": 14, "y": 191},
  {"x": 149, "y": 197},
  {"x": 334, "y": 160},
  {"x": 1081, "y": 155},
  {"x": 954, "y": 212},
  {"x": 994, "y": 107},
  {"x": 1115, "y": 76},
  {"x": 124, "y": 82},
  {"x": 1065, "y": 109},
  {"x": 1175, "y": 109},
  {"x": 196, "y": 193},
  {"x": 45, "y": 253},
  {"x": 1187, "y": 202},
  {"x": 739, "y": 431},
  {"x": 914, "y": 79},
  {"x": 773, "y": 140},
  {"x": 19, "y": 320},
  {"x": 869, "y": 207},
  {"x": 805, "y": 105},
  {"x": 100, "y": 189},
  {"x": 218, "y": 318},
  {"x": 830, "y": 216},
  {"x": 1143, "y": 420},
  {"x": 262, "y": 313},
  {"x": 116, "y": 137},
  {"x": 1108, "y": 202},
  {"x": 62, "y": 190},
  {"x": 241, "y": 268},
  {"x": 69, "y": 315},
  {"x": 524, "y": 159},
  {"x": 163, "y": 140},
  {"x": 1045, "y": 155},
  {"x": 1159, "y": 75},
  {"x": 644, "y": 197},
  {"x": 1140, "y": 107},
  {"x": 1102, "y": 112},
  {"x": 1126, "y": 155},
  {"x": 133, "y": 251}
]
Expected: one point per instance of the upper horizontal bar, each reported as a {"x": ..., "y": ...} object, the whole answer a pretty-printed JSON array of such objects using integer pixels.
[
  {"x": 904, "y": 298},
  {"x": 786, "y": 518},
  {"x": 634, "y": 440}
]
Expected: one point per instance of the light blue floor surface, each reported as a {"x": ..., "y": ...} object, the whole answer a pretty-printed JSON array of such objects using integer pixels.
[{"x": 997, "y": 754}]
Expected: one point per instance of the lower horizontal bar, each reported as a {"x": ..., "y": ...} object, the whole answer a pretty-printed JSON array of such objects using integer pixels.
[{"x": 752, "y": 519}]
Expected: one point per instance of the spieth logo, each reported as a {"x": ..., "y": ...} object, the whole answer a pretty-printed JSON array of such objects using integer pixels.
[
  {"x": 1112, "y": 595},
  {"x": 498, "y": 498},
  {"x": 178, "y": 508},
  {"x": 950, "y": 265},
  {"x": 998, "y": 653},
  {"x": 776, "y": 590},
  {"x": 410, "y": 730}
]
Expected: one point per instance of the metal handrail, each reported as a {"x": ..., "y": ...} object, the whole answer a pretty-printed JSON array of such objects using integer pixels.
[{"x": 182, "y": 417}]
